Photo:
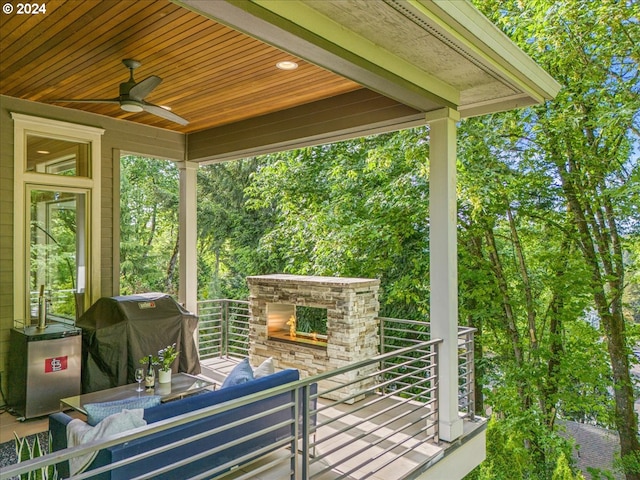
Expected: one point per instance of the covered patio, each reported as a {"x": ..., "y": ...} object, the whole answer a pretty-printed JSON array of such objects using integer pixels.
[{"x": 362, "y": 68}]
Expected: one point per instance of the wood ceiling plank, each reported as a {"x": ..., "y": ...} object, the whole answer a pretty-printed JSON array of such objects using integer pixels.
[
  {"x": 229, "y": 61},
  {"x": 205, "y": 66},
  {"x": 21, "y": 31},
  {"x": 77, "y": 49},
  {"x": 106, "y": 50},
  {"x": 35, "y": 44},
  {"x": 277, "y": 99}
]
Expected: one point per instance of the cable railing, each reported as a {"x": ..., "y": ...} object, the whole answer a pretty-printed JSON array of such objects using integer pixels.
[
  {"x": 348, "y": 421},
  {"x": 389, "y": 405},
  {"x": 224, "y": 332},
  {"x": 466, "y": 372},
  {"x": 396, "y": 333},
  {"x": 354, "y": 422},
  {"x": 223, "y": 328}
]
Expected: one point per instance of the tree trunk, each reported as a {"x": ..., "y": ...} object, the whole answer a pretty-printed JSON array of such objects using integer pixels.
[
  {"x": 171, "y": 270},
  {"x": 512, "y": 328},
  {"x": 610, "y": 311},
  {"x": 522, "y": 265}
]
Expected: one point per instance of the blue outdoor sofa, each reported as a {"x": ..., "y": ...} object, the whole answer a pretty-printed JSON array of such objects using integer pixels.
[{"x": 59, "y": 421}]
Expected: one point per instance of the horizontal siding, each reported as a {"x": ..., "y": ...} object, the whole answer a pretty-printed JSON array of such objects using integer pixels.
[
  {"x": 119, "y": 135},
  {"x": 350, "y": 115},
  {"x": 6, "y": 237}
]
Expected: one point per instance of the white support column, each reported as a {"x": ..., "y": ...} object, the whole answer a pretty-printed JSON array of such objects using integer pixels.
[
  {"x": 444, "y": 264},
  {"x": 188, "y": 236}
]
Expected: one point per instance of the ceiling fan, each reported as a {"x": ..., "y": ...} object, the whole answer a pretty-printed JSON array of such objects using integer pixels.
[{"x": 132, "y": 95}]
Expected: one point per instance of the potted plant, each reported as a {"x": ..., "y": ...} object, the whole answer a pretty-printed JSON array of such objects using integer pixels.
[{"x": 164, "y": 360}]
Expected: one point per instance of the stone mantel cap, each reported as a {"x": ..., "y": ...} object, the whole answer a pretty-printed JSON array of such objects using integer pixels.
[{"x": 284, "y": 278}]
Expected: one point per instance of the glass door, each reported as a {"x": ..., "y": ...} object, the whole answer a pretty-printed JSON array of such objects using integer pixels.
[
  {"x": 57, "y": 252},
  {"x": 57, "y": 219}
]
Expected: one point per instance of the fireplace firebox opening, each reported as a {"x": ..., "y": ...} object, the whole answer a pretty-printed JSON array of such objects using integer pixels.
[{"x": 297, "y": 324}]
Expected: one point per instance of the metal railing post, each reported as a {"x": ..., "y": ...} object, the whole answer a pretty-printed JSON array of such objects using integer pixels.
[
  {"x": 225, "y": 328},
  {"x": 306, "y": 431},
  {"x": 436, "y": 367},
  {"x": 472, "y": 377},
  {"x": 382, "y": 350},
  {"x": 295, "y": 433}
]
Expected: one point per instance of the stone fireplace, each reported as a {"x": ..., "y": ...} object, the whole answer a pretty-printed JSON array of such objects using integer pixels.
[{"x": 279, "y": 305}]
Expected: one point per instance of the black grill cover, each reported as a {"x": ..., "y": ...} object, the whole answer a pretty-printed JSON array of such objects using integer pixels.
[{"x": 118, "y": 331}]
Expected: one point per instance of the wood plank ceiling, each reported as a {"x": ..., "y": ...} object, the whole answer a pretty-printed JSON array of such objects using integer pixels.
[{"x": 212, "y": 75}]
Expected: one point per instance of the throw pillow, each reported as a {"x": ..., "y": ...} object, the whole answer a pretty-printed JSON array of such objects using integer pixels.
[
  {"x": 96, "y": 412},
  {"x": 265, "y": 368},
  {"x": 241, "y": 373}
]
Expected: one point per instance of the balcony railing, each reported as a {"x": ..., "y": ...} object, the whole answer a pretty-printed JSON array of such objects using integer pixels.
[
  {"x": 377, "y": 418},
  {"x": 224, "y": 332},
  {"x": 224, "y": 328},
  {"x": 357, "y": 424}
]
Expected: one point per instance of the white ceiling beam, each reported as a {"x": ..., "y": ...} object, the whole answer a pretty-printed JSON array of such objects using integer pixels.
[{"x": 296, "y": 28}]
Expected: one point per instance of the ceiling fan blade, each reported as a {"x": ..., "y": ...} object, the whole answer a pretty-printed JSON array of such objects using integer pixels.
[
  {"x": 85, "y": 100},
  {"x": 144, "y": 88},
  {"x": 164, "y": 113}
]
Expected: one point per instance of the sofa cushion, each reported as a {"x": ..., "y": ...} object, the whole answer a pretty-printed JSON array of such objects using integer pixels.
[
  {"x": 264, "y": 369},
  {"x": 241, "y": 373},
  {"x": 96, "y": 412}
]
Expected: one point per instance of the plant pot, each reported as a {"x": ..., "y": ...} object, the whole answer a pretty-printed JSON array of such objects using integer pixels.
[{"x": 164, "y": 376}]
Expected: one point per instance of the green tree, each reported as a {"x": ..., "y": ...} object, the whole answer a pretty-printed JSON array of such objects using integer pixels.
[
  {"x": 149, "y": 201},
  {"x": 356, "y": 208},
  {"x": 563, "y": 470},
  {"x": 523, "y": 287},
  {"x": 228, "y": 231},
  {"x": 586, "y": 138}
]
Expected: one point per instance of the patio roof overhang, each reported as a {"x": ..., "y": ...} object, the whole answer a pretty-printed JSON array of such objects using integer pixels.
[
  {"x": 411, "y": 56},
  {"x": 365, "y": 66}
]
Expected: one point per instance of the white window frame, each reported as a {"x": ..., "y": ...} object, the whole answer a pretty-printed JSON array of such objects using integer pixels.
[{"x": 23, "y": 126}]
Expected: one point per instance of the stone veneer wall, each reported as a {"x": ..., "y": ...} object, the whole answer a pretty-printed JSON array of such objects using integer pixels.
[{"x": 352, "y": 325}]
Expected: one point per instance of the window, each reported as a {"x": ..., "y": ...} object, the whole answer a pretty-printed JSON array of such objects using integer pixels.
[
  {"x": 56, "y": 219},
  {"x": 56, "y": 156}
]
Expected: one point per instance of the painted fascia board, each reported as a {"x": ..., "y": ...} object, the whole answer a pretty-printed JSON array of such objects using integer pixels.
[
  {"x": 485, "y": 40},
  {"x": 303, "y": 126},
  {"x": 260, "y": 23},
  {"x": 303, "y": 15},
  {"x": 310, "y": 141}
]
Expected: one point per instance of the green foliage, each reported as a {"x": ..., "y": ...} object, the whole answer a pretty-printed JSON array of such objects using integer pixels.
[
  {"x": 148, "y": 225},
  {"x": 563, "y": 470},
  {"x": 580, "y": 153},
  {"x": 229, "y": 232},
  {"x": 165, "y": 358},
  {"x": 356, "y": 208},
  {"x": 629, "y": 463},
  {"x": 311, "y": 320},
  {"x": 599, "y": 474},
  {"x": 509, "y": 457}
]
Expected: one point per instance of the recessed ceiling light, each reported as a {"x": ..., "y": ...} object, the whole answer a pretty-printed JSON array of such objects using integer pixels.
[
  {"x": 43, "y": 152},
  {"x": 166, "y": 107},
  {"x": 287, "y": 65}
]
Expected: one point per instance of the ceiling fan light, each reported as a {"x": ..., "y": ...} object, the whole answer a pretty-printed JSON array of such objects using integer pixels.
[{"x": 130, "y": 106}]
